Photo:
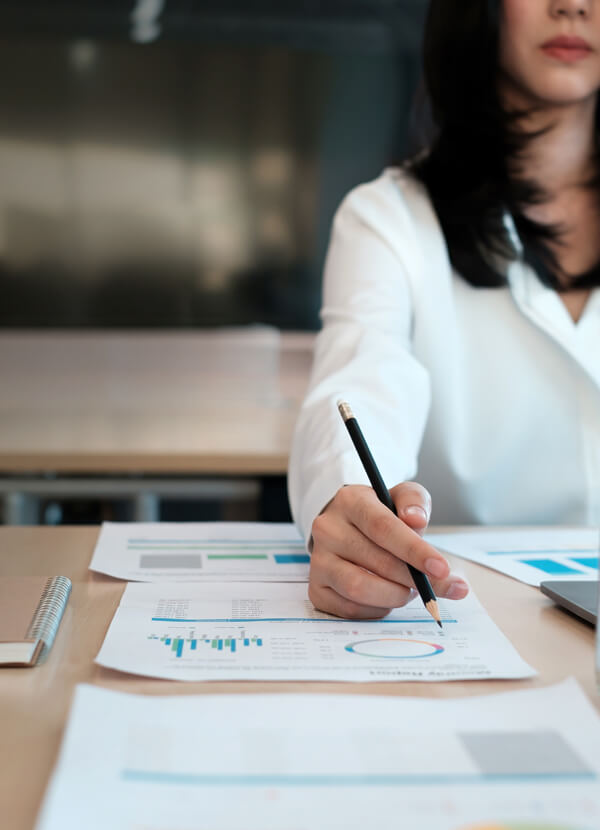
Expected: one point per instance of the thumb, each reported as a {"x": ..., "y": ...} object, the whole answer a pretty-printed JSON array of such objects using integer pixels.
[{"x": 413, "y": 504}]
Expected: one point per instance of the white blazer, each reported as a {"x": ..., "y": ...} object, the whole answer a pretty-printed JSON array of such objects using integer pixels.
[{"x": 490, "y": 398}]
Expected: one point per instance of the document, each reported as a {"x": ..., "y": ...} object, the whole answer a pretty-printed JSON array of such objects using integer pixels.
[
  {"x": 531, "y": 556},
  {"x": 270, "y": 631},
  {"x": 201, "y": 551},
  {"x": 525, "y": 760}
]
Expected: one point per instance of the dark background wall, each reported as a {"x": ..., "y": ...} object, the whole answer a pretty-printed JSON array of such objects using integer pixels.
[{"x": 176, "y": 163}]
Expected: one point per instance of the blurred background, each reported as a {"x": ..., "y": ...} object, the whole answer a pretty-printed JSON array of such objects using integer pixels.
[{"x": 174, "y": 165}]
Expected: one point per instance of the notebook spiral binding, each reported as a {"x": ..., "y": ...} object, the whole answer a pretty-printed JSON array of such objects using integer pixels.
[{"x": 49, "y": 611}]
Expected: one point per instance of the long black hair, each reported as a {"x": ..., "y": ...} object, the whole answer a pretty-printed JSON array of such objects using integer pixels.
[{"x": 466, "y": 166}]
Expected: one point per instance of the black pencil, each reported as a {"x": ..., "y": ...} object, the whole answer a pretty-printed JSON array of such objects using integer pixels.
[{"x": 420, "y": 579}]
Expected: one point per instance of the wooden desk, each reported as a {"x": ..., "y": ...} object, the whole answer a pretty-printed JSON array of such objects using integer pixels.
[
  {"x": 208, "y": 402},
  {"x": 34, "y": 703},
  {"x": 122, "y": 404}
]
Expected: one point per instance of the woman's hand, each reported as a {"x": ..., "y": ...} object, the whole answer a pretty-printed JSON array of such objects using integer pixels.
[{"x": 360, "y": 549}]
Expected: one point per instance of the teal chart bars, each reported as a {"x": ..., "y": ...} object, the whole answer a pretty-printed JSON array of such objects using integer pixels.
[
  {"x": 529, "y": 555},
  {"x": 201, "y": 552},
  {"x": 200, "y": 643}
]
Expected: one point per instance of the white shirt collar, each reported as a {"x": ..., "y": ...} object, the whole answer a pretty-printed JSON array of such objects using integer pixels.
[{"x": 543, "y": 306}]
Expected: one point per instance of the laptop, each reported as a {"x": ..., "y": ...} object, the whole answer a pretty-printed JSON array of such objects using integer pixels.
[{"x": 578, "y": 597}]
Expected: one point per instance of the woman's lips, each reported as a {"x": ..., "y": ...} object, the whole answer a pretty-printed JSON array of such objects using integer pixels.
[{"x": 567, "y": 49}]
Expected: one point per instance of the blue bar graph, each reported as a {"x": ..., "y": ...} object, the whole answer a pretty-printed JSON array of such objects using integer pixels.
[
  {"x": 177, "y": 645},
  {"x": 586, "y": 561},
  {"x": 550, "y": 566}
]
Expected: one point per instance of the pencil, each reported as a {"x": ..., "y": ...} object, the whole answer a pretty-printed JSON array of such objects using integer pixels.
[{"x": 420, "y": 579}]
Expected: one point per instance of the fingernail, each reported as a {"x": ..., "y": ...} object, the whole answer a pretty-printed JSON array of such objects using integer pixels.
[
  {"x": 457, "y": 590},
  {"x": 436, "y": 567},
  {"x": 416, "y": 511}
]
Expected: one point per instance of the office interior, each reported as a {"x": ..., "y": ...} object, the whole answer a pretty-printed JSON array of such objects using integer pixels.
[{"x": 170, "y": 170}]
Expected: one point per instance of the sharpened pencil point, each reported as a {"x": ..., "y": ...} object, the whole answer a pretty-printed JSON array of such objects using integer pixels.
[{"x": 433, "y": 609}]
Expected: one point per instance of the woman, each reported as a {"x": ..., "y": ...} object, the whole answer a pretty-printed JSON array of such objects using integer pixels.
[{"x": 461, "y": 314}]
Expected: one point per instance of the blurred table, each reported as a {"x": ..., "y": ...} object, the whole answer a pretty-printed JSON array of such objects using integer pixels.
[
  {"x": 141, "y": 404},
  {"x": 34, "y": 703}
]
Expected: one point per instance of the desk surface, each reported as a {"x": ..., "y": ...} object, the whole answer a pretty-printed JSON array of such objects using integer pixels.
[
  {"x": 206, "y": 402},
  {"x": 34, "y": 703}
]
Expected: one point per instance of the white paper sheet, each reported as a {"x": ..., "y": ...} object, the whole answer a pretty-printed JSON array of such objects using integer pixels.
[
  {"x": 526, "y": 760},
  {"x": 201, "y": 552},
  {"x": 272, "y": 632},
  {"x": 531, "y": 556}
]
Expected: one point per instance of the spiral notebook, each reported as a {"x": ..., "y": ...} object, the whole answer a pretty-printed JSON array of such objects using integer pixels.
[{"x": 31, "y": 609}]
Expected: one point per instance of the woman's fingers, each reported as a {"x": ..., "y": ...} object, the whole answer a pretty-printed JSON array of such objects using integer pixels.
[
  {"x": 360, "y": 550},
  {"x": 454, "y": 587},
  {"x": 341, "y": 588},
  {"x": 413, "y": 504},
  {"x": 335, "y": 535},
  {"x": 363, "y": 509},
  {"x": 358, "y": 585},
  {"x": 326, "y": 599},
  {"x": 369, "y": 594}
]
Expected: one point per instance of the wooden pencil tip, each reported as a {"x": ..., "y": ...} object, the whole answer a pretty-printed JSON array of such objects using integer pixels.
[{"x": 433, "y": 609}]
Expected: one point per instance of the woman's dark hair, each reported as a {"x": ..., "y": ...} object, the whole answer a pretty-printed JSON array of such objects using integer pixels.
[{"x": 466, "y": 166}]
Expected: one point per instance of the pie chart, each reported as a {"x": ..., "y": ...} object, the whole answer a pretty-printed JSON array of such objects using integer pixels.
[{"x": 394, "y": 648}]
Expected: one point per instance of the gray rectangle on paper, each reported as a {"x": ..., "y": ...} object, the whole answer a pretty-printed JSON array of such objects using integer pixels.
[
  {"x": 522, "y": 753},
  {"x": 171, "y": 560}
]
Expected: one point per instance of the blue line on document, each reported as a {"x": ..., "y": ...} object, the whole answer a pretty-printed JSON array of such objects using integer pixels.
[{"x": 377, "y": 780}]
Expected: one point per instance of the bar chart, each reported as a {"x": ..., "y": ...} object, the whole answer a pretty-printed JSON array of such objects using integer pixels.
[
  {"x": 530, "y": 556},
  {"x": 201, "y": 552},
  {"x": 197, "y": 643}
]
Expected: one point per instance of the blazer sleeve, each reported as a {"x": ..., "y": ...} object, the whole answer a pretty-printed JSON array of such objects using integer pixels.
[{"x": 363, "y": 354}]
